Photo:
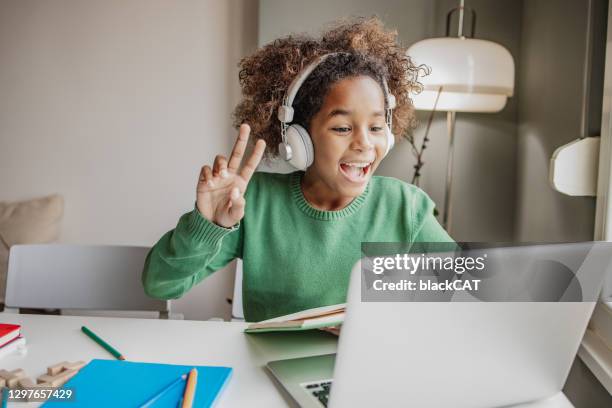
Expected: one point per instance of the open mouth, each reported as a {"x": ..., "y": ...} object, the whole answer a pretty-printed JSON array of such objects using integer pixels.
[{"x": 355, "y": 172}]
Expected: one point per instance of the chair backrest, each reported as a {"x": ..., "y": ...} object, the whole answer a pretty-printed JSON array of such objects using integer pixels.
[
  {"x": 92, "y": 277},
  {"x": 237, "y": 310}
]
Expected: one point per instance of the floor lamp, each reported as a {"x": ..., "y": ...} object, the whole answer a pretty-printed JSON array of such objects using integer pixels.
[{"x": 470, "y": 75}]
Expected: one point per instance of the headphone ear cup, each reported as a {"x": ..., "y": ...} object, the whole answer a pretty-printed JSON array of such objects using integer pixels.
[
  {"x": 390, "y": 139},
  {"x": 301, "y": 147}
]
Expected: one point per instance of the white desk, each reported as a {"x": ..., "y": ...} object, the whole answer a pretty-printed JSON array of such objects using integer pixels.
[{"x": 52, "y": 339}]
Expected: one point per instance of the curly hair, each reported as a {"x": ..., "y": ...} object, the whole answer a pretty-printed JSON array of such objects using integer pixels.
[{"x": 364, "y": 47}]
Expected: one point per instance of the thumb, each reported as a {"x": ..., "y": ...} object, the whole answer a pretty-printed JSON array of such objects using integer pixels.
[{"x": 236, "y": 204}]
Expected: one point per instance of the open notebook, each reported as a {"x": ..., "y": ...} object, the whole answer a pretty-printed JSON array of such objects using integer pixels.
[{"x": 317, "y": 318}]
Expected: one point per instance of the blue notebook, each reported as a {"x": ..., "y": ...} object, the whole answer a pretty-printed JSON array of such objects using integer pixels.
[{"x": 115, "y": 383}]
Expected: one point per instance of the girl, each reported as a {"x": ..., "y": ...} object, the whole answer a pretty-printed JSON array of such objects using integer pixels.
[{"x": 299, "y": 234}]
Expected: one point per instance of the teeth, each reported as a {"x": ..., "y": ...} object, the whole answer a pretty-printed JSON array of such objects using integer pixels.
[{"x": 360, "y": 165}]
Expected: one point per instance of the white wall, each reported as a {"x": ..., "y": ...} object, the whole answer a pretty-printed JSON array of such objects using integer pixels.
[
  {"x": 116, "y": 105},
  {"x": 551, "y": 87}
]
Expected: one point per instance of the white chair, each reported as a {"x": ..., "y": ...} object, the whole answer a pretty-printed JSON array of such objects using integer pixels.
[
  {"x": 237, "y": 310},
  {"x": 81, "y": 278}
]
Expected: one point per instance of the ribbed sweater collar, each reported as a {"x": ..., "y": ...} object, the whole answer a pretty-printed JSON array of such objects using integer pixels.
[{"x": 299, "y": 199}]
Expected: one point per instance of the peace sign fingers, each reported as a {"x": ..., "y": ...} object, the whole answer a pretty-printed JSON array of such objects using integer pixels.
[
  {"x": 239, "y": 148},
  {"x": 250, "y": 166},
  {"x": 220, "y": 189}
]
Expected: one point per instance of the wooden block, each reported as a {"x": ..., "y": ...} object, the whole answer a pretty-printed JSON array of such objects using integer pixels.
[
  {"x": 77, "y": 365},
  {"x": 63, "y": 377},
  {"x": 65, "y": 365},
  {"x": 12, "y": 377},
  {"x": 28, "y": 383},
  {"x": 56, "y": 368},
  {"x": 58, "y": 379}
]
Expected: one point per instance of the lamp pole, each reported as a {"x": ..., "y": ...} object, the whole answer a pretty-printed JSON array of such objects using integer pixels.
[{"x": 450, "y": 126}]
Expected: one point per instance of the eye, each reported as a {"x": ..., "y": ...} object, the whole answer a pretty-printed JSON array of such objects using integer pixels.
[
  {"x": 376, "y": 129},
  {"x": 341, "y": 129}
]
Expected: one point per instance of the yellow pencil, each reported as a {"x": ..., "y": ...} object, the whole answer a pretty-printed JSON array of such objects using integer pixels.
[{"x": 190, "y": 388}]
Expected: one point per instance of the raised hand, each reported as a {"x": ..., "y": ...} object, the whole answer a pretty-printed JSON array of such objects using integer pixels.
[{"x": 220, "y": 191}]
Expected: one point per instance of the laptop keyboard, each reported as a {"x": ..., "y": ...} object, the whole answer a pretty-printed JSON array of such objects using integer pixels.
[{"x": 319, "y": 390}]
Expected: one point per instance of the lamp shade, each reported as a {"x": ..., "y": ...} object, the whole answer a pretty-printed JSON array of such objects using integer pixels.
[{"x": 476, "y": 75}]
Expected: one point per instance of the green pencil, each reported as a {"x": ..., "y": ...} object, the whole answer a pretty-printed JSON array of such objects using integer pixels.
[{"x": 101, "y": 342}]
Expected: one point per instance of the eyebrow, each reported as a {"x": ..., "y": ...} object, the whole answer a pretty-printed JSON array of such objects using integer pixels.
[{"x": 337, "y": 112}]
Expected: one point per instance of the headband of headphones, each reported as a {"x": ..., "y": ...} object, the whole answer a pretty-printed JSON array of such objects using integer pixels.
[{"x": 285, "y": 111}]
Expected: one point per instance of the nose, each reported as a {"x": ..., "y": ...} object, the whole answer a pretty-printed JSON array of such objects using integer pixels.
[{"x": 361, "y": 140}]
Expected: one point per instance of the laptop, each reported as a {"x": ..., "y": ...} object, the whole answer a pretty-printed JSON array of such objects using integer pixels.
[{"x": 491, "y": 353}]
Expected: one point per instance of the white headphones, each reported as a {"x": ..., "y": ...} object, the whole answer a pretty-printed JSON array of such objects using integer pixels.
[{"x": 296, "y": 147}]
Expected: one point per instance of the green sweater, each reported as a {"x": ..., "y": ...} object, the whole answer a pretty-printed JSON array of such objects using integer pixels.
[{"x": 294, "y": 256}]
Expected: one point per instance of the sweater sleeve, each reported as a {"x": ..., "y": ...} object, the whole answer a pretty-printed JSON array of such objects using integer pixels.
[
  {"x": 189, "y": 253},
  {"x": 425, "y": 226}
]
